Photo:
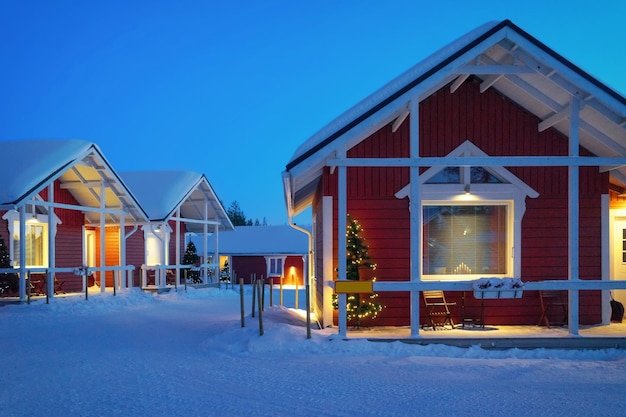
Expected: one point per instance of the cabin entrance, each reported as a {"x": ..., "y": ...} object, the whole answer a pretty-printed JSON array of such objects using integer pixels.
[{"x": 618, "y": 252}]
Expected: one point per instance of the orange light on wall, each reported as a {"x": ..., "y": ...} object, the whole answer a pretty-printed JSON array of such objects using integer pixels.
[{"x": 292, "y": 273}]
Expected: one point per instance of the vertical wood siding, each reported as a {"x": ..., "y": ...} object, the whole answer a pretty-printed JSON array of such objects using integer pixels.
[
  {"x": 245, "y": 266},
  {"x": 498, "y": 127}
]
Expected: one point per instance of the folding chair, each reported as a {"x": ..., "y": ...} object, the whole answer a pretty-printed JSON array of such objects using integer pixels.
[
  {"x": 58, "y": 286},
  {"x": 550, "y": 301},
  {"x": 437, "y": 306}
]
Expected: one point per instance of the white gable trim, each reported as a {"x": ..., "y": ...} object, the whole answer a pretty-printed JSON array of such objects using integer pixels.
[{"x": 467, "y": 148}]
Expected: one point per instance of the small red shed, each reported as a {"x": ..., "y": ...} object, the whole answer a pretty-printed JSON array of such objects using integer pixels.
[{"x": 278, "y": 252}]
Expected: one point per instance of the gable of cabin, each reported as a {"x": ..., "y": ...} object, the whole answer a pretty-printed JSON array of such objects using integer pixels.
[
  {"x": 68, "y": 238},
  {"x": 499, "y": 127}
]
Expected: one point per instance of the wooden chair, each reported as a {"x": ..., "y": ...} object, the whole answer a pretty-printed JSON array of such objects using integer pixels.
[
  {"x": 550, "y": 301},
  {"x": 436, "y": 307},
  {"x": 58, "y": 286}
]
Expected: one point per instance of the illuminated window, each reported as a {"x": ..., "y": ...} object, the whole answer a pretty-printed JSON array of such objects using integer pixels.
[
  {"x": 471, "y": 219},
  {"x": 36, "y": 244},
  {"x": 465, "y": 239}
]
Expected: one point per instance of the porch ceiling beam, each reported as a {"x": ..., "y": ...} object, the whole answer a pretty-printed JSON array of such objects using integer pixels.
[
  {"x": 92, "y": 191},
  {"x": 606, "y": 140},
  {"x": 458, "y": 82},
  {"x": 554, "y": 119},
  {"x": 555, "y": 77},
  {"x": 557, "y": 108},
  {"x": 399, "y": 120},
  {"x": 483, "y": 161},
  {"x": 199, "y": 221},
  {"x": 548, "y": 72},
  {"x": 73, "y": 185},
  {"x": 107, "y": 210},
  {"x": 495, "y": 69},
  {"x": 489, "y": 81}
]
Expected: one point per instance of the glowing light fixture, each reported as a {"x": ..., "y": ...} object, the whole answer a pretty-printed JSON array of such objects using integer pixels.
[{"x": 467, "y": 189}]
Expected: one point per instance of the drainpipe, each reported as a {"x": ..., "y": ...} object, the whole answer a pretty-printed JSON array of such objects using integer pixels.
[{"x": 309, "y": 247}]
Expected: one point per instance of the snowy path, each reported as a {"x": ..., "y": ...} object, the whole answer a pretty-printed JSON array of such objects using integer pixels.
[{"x": 186, "y": 355}]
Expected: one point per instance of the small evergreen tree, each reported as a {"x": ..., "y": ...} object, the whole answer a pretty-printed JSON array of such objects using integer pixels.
[
  {"x": 236, "y": 215},
  {"x": 357, "y": 257},
  {"x": 191, "y": 258},
  {"x": 8, "y": 281}
]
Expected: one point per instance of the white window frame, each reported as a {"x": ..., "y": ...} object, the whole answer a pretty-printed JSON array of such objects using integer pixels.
[
  {"x": 511, "y": 191},
  {"x": 272, "y": 272},
  {"x": 13, "y": 222}
]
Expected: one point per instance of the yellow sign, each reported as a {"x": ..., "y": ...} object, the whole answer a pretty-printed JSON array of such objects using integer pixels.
[{"x": 352, "y": 287}]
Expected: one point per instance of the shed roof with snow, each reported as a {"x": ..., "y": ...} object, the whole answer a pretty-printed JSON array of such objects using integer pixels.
[{"x": 261, "y": 240}]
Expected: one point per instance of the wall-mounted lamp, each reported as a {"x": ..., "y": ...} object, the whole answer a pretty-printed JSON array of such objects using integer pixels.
[{"x": 467, "y": 189}]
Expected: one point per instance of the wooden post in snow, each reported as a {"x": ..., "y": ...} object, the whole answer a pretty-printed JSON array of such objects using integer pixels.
[
  {"x": 260, "y": 283},
  {"x": 308, "y": 309},
  {"x": 253, "y": 282},
  {"x": 271, "y": 291},
  {"x": 243, "y": 323}
]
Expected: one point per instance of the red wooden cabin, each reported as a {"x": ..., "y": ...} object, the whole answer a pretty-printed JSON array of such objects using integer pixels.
[
  {"x": 68, "y": 204},
  {"x": 494, "y": 157},
  {"x": 177, "y": 203}
]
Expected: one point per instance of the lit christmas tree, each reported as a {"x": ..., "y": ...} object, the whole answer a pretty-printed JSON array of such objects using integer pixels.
[
  {"x": 8, "y": 281},
  {"x": 191, "y": 258},
  {"x": 359, "y": 306}
]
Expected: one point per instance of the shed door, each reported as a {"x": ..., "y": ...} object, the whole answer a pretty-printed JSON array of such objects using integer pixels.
[{"x": 618, "y": 252}]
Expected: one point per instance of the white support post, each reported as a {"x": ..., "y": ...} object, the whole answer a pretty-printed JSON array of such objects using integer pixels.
[
  {"x": 177, "y": 263},
  {"x": 23, "y": 253},
  {"x": 606, "y": 259},
  {"x": 217, "y": 252},
  {"x": 103, "y": 280},
  {"x": 206, "y": 242},
  {"x": 123, "y": 274},
  {"x": 573, "y": 216},
  {"x": 415, "y": 217},
  {"x": 328, "y": 271},
  {"x": 51, "y": 244},
  {"x": 342, "y": 207},
  {"x": 165, "y": 260}
]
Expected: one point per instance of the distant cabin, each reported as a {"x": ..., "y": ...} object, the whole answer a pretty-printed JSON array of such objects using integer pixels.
[{"x": 277, "y": 252}]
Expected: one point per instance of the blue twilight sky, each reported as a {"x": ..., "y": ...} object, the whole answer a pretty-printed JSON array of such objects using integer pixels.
[{"x": 232, "y": 88}]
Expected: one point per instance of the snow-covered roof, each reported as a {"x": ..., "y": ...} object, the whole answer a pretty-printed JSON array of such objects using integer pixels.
[
  {"x": 258, "y": 240},
  {"x": 503, "y": 57},
  {"x": 28, "y": 166},
  {"x": 161, "y": 193}
]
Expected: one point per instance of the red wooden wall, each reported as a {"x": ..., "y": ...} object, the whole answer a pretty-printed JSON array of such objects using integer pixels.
[
  {"x": 498, "y": 127},
  {"x": 245, "y": 266}
]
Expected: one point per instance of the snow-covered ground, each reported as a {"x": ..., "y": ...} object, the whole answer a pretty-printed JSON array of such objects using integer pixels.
[{"x": 185, "y": 354}]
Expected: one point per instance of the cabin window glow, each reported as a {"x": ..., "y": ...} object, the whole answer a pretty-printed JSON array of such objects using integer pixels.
[
  {"x": 36, "y": 244},
  {"x": 465, "y": 239}
]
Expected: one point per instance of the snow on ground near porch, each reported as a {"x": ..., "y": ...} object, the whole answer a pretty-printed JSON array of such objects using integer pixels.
[{"x": 185, "y": 354}]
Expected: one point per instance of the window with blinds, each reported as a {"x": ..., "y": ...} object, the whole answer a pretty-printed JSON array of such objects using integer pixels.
[{"x": 465, "y": 239}]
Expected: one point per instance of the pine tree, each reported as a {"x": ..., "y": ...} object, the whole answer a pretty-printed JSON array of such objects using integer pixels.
[
  {"x": 191, "y": 258},
  {"x": 236, "y": 215},
  {"x": 8, "y": 281},
  {"x": 357, "y": 256}
]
